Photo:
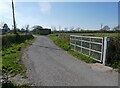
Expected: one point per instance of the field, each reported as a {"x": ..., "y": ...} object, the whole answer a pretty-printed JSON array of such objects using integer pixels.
[{"x": 94, "y": 34}]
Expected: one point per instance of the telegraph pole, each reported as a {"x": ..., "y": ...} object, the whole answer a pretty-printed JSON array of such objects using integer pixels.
[
  {"x": 14, "y": 23},
  {"x": 101, "y": 26}
]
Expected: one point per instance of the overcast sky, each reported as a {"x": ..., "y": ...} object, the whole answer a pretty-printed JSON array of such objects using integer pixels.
[{"x": 86, "y": 15}]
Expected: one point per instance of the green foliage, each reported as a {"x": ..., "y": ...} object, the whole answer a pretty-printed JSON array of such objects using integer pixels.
[
  {"x": 82, "y": 57},
  {"x": 11, "y": 53},
  {"x": 9, "y": 84},
  {"x": 114, "y": 52},
  {"x": 36, "y": 29},
  {"x": 8, "y": 40},
  {"x": 1, "y": 63},
  {"x": 93, "y": 34},
  {"x": 61, "y": 40},
  {"x": 10, "y": 60}
]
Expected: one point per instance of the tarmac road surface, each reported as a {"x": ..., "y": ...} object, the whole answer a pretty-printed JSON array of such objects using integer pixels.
[{"x": 49, "y": 65}]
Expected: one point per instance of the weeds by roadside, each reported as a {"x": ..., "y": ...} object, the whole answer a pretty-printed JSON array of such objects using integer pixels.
[
  {"x": 10, "y": 84},
  {"x": 63, "y": 41},
  {"x": 11, "y": 57}
]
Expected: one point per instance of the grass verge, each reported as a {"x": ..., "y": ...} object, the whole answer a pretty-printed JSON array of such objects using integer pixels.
[
  {"x": 11, "y": 56},
  {"x": 63, "y": 42},
  {"x": 10, "y": 62},
  {"x": 81, "y": 57},
  {"x": 94, "y": 34}
]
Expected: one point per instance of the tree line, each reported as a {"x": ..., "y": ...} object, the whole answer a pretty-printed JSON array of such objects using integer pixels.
[
  {"x": 36, "y": 29},
  {"x": 105, "y": 29},
  {"x": 4, "y": 29}
]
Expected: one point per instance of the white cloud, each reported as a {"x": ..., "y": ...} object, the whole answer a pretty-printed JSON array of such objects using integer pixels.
[
  {"x": 45, "y": 7},
  {"x": 5, "y": 6},
  {"x": 5, "y": 12}
]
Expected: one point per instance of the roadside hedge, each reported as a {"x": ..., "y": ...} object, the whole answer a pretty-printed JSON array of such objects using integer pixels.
[
  {"x": 7, "y": 40},
  {"x": 114, "y": 52}
]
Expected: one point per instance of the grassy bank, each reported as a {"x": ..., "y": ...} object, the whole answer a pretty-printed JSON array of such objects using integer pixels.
[
  {"x": 12, "y": 51},
  {"x": 63, "y": 41}
]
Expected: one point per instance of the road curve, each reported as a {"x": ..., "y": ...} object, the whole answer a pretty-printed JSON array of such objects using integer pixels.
[{"x": 49, "y": 65}]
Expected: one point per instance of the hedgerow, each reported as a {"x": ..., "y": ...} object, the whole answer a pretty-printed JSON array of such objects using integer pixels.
[
  {"x": 113, "y": 57},
  {"x": 8, "y": 40}
]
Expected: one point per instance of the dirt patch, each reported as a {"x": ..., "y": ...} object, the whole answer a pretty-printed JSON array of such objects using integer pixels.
[{"x": 101, "y": 67}]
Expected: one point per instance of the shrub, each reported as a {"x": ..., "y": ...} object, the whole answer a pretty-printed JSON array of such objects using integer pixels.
[
  {"x": 11, "y": 53},
  {"x": 114, "y": 52},
  {"x": 8, "y": 40}
]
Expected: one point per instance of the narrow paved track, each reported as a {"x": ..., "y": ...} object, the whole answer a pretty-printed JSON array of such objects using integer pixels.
[{"x": 51, "y": 66}]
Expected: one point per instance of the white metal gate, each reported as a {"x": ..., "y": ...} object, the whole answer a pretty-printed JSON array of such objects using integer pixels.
[{"x": 93, "y": 47}]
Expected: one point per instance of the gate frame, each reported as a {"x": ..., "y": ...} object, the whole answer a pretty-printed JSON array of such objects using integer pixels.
[{"x": 103, "y": 47}]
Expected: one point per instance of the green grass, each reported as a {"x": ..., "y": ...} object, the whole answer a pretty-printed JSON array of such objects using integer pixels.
[
  {"x": 8, "y": 40},
  {"x": 11, "y": 56},
  {"x": 81, "y": 57},
  {"x": 11, "y": 59},
  {"x": 63, "y": 42},
  {"x": 1, "y": 63},
  {"x": 95, "y": 34},
  {"x": 10, "y": 62}
]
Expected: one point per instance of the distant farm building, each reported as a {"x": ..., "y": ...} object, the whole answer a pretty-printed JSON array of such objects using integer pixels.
[{"x": 45, "y": 31}]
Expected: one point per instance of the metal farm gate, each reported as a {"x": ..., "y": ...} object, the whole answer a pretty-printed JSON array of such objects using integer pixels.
[{"x": 93, "y": 47}]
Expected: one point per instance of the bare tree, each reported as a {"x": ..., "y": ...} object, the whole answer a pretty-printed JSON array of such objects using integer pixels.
[
  {"x": 105, "y": 28},
  {"x": 72, "y": 28},
  {"x": 27, "y": 28},
  {"x": 117, "y": 28},
  {"x": 53, "y": 28},
  {"x": 101, "y": 26},
  {"x": 66, "y": 29},
  {"x": 77, "y": 29},
  {"x": 59, "y": 28}
]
